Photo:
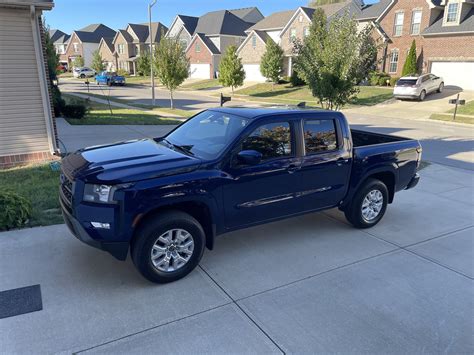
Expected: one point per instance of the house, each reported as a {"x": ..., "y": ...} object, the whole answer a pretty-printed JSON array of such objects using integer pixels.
[
  {"x": 133, "y": 41},
  {"x": 60, "y": 41},
  {"x": 444, "y": 34},
  {"x": 208, "y": 37},
  {"x": 85, "y": 41},
  {"x": 108, "y": 54},
  {"x": 27, "y": 130},
  {"x": 284, "y": 28}
]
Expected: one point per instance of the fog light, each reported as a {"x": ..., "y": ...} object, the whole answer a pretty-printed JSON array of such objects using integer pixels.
[{"x": 100, "y": 225}]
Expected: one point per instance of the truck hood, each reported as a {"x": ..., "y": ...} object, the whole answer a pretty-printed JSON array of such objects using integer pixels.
[{"x": 127, "y": 162}]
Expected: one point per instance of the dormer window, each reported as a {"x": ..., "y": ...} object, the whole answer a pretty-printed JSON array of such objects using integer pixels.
[{"x": 452, "y": 13}]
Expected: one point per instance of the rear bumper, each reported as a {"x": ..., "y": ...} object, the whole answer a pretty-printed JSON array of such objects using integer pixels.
[
  {"x": 413, "y": 182},
  {"x": 119, "y": 250},
  {"x": 404, "y": 96}
]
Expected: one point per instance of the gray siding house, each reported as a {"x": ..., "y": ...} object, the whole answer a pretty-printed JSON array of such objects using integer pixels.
[{"x": 27, "y": 132}]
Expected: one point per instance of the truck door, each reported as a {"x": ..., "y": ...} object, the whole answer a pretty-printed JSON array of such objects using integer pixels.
[
  {"x": 265, "y": 190},
  {"x": 326, "y": 165}
]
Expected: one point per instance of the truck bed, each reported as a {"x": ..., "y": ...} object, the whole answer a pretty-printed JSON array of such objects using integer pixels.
[{"x": 364, "y": 138}]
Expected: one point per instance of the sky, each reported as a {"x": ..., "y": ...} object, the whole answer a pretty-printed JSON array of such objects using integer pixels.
[{"x": 69, "y": 15}]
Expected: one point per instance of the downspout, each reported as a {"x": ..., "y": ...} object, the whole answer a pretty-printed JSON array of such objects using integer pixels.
[
  {"x": 43, "y": 81},
  {"x": 384, "y": 57}
]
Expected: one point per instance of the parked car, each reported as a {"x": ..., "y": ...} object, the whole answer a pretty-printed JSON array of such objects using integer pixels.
[
  {"x": 83, "y": 72},
  {"x": 109, "y": 78},
  {"x": 61, "y": 68},
  {"x": 167, "y": 198},
  {"x": 417, "y": 87}
]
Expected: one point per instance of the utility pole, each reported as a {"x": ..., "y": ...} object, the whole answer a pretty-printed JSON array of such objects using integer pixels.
[{"x": 151, "y": 53}]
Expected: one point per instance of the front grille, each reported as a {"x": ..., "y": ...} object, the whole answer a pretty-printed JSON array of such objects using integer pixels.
[{"x": 66, "y": 189}]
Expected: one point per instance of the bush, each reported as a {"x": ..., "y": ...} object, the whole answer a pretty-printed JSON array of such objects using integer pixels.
[
  {"x": 393, "y": 80},
  {"x": 58, "y": 101},
  {"x": 122, "y": 72},
  {"x": 15, "y": 210},
  {"x": 76, "y": 111},
  {"x": 378, "y": 78},
  {"x": 295, "y": 80},
  {"x": 285, "y": 79},
  {"x": 383, "y": 80}
]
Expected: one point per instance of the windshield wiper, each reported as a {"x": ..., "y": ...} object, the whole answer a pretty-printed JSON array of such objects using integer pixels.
[{"x": 186, "y": 149}]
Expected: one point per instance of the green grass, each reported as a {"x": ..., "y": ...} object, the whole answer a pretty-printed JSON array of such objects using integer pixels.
[
  {"x": 467, "y": 109},
  {"x": 285, "y": 93},
  {"x": 99, "y": 114},
  {"x": 39, "y": 185},
  {"x": 449, "y": 118},
  {"x": 202, "y": 85}
]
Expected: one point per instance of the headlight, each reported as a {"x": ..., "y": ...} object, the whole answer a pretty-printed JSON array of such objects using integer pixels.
[{"x": 99, "y": 193}]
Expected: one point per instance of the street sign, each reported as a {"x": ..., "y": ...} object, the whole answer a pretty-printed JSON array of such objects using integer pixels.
[
  {"x": 456, "y": 102},
  {"x": 224, "y": 99}
]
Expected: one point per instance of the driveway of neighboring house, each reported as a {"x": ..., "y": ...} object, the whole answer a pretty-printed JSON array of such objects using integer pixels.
[{"x": 310, "y": 284}]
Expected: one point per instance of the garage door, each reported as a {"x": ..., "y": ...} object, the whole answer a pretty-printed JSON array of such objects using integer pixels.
[
  {"x": 200, "y": 71},
  {"x": 455, "y": 73},
  {"x": 252, "y": 73}
]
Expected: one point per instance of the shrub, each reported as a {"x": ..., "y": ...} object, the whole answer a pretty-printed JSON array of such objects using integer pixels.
[
  {"x": 76, "y": 111},
  {"x": 393, "y": 80},
  {"x": 15, "y": 210},
  {"x": 295, "y": 80},
  {"x": 122, "y": 72},
  {"x": 383, "y": 80},
  {"x": 378, "y": 78},
  {"x": 58, "y": 101},
  {"x": 285, "y": 79}
]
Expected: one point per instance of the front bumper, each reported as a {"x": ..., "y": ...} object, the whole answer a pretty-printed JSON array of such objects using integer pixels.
[
  {"x": 117, "y": 249},
  {"x": 413, "y": 182}
]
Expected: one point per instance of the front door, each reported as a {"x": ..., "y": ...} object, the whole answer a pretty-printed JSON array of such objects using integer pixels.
[{"x": 264, "y": 191}]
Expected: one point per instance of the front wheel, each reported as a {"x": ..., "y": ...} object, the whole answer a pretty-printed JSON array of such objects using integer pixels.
[
  {"x": 168, "y": 247},
  {"x": 422, "y": 95},
  {"x": 441, "y": 87},
  {"x": 368, "y": 205}
]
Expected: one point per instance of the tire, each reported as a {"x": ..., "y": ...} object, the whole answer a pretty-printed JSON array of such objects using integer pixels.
[
  {"x": 422, "y": 95},
  {"x": 354, "y": 212},
  {"x": 441, "y": 87},
  {"x": 149, "y": 253},
  {"x": 82, "y": 76},
  {"x": 109, "y": 83}
]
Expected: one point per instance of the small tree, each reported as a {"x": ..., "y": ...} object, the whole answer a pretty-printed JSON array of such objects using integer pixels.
[
  {"x": 316, "y": 3},
  {"x": 97, "y": 61},
  {"x": 78, "y": 62},
  {"x": 231, "y": 70},
  {"x": 143, "y": 64},
  {"x": 367, "y": 54},
  {"x": 271, "y": 64},
  {"x": 52, "y": 57},
  {"x": 410, "y": 67},
  {"x": 171, "y": 64},
  {"x": 329, "y": 60}
]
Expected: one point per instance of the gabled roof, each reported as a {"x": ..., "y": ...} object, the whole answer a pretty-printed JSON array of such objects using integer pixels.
[
  {"x": 222, "y": 22},
  {"x": 108, "y": 42},
  {"x": 157, "y": 29},
  {"x": 248, "y": 14},
  {"x": 207, "y": 42},
  {"x": 141, "y": 31},
  {"x": 262, "y": 35},
  {"x": 373, "y": 11},
  {"x": 466, "y": 25},
  {"x": 94, "y": 33},
  {"x": 127, "y": 36},
  {"x": 275, "y": 21},
  {"x": 189, "y": 23},
  {"x": 58, "y": 36}
]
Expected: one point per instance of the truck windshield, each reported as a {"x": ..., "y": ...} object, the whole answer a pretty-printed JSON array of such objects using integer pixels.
[{"x": 207, "y": 134}]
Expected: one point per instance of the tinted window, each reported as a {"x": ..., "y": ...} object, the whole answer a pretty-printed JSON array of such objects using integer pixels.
[
  {"x": 406, "y": 82},
  {"x": 319, "y": 136},
  {"x": 273, "y": 140},
  {"x": 425, "y": 78}
]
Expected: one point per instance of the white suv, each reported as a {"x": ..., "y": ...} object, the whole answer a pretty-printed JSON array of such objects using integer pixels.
[
  {"x": 83, "y": 72},
  {"x": 417, "y": 87}
]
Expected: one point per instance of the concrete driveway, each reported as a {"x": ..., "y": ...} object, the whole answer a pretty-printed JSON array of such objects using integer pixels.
[{"x": 308, "y": 284}]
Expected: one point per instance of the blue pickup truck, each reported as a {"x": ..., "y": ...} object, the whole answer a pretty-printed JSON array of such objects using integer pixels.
[
  {"x": 166, "y": 199},
  {"x": 109, "y": 78}
]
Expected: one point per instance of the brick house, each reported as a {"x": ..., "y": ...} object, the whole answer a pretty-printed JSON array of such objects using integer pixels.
[
  {"x": 27, "y": 128},
  {"x": 85, "y": 41},
  {"x": 60, "y": 41},
  {"x": 443, "y": 31},
  {"x": 108, "y": 54}
]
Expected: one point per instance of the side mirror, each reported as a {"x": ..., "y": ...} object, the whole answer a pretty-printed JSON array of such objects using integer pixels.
[{"x": 249, "y": 157}]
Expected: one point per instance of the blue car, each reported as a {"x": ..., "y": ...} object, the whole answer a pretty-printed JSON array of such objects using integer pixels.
[
  {"x": 166, "y": 199},
  {"x": 109, "y": 78}
]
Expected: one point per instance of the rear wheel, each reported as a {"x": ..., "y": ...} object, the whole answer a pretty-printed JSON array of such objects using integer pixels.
[
  {"x": 82, "y": 76},
  {"x": 422, "y": 95},
  {"x": 368, "y": 205},
  {"x": 168, "y": 247},
  {"x": 441, "y": 87}
]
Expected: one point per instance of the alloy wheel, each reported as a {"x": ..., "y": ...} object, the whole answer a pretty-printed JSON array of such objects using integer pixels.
[
  {"x": 372, "y": 205},
  {"x": 172, "y": 250}
]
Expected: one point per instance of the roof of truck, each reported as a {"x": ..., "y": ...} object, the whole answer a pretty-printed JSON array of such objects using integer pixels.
[{"x": 259, "y": 112}]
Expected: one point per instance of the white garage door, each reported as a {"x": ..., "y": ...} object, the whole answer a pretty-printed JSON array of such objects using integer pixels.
[
  {"x": 200, "y": 71},
  {"x": 455, "y": 73},
  {"x": 252, "y": 73}
]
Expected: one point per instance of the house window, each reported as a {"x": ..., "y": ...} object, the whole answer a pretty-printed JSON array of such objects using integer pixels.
[
  {"x": 198, "y": 47},
  {"x": 398, "y": 27},
  {"x": 452, "y": 15},
  {"x": 393, "y": 61},
  {"x": 292, "y": 34},
  {"x": 415, "y": 22},
  {"x": 306, "y": 31},
  {"x": 76, "y": 47},
  {"x": 184, "y": 43},
  {"x": 300, "y": 19},
  {"x": 137, "y": 49},
  {"x": 254, "y": 41},
  {"x": 121, "y": 48}
]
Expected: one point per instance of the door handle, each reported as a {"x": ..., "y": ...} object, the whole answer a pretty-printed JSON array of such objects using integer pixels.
[
  {"x": 341, "y": 161},
  {"x": 292, "y": 168}
]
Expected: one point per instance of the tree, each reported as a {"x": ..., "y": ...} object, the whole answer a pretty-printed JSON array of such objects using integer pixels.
[
  {"x": 367, "y": 53},
  {"x": 271, "y": 64},
  {"x": 52, "y": 58},
  {"x": 410, "y": 67},
  {"x": 231, "y": 70},
  {"x": 143, "y": 64},
  {"x": 171, "y": 64},
  {"x": 316, "y": 3},
  {"x": 97, "y": 61},
  {"x": 330, "y": 58},
  {"x": 78, "y": 62}
]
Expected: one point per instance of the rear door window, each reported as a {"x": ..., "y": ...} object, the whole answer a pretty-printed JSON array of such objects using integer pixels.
[
  {"x": 272, "y": 140},
  {"x": 319, "y": 136}
]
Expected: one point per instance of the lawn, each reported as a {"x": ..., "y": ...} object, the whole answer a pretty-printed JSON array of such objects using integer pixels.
[
  {"x": 467, "y": 109},
  {"x": 465, "y": 114},
  {"x": 39, "y": 184},
  {"x": 285, "y": 93},
  {"x": 99, "y": 114},
  {"x": 202, "y": 85}
]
